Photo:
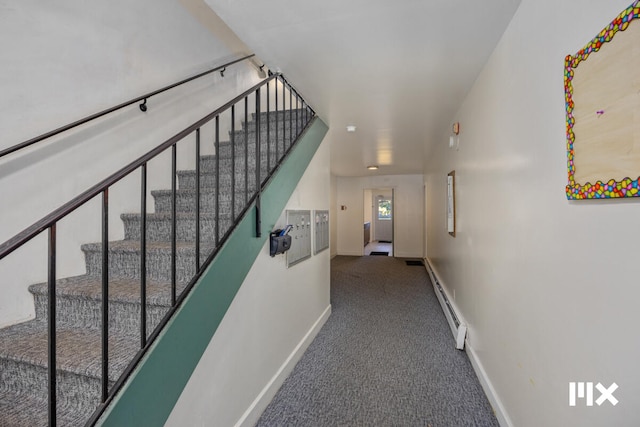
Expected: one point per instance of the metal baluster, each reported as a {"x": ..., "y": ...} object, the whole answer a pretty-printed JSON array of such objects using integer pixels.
[
  {"x": 51, "y": 326},
  {"x": 268, "y": 133},
  {"x": 257, "y": 140},
  {"x": 284, "y": 120},
  {"x": 276, "y": 120},
  {"x": 246, "y": 149},
  {"x": 197, "y": 199},
  {"x": 105, "y": 294},
  {"x": 143, "y": 255},
  {"x": 290, "y": 118},
  {"x": 258, "y": 166},
  {"x": 174, "y": 211},
  {"x": 217, "y": 149},
  {"x": 233, "y": 163}
]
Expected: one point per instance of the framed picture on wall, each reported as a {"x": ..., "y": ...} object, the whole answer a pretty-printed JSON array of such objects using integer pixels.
[
  {"x": 602, "y": 110},
  {"x": 451, "y": 203}
]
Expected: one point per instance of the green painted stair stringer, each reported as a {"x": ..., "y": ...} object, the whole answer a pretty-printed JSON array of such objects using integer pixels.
[{"x": 149, "y": 395}]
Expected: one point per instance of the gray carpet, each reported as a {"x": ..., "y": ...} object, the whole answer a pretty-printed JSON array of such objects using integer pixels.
[{"x": 385, "y": 357}]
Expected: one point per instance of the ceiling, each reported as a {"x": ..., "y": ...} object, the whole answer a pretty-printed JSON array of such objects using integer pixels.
[{"x": 398, "y": 70}]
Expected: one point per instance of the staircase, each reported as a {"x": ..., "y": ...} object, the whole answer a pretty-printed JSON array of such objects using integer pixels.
[{"x": 24, "y": 347}]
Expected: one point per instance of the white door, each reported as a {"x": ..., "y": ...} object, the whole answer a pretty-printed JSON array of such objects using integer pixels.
[{"x": 383, "y": 217}]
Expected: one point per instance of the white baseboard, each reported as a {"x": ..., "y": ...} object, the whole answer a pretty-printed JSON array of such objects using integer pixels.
[
  {"x": 494, "y": 400},
  {"x": 449, "y": 308},
  {"x": 399, "y": 254},
  {"x": 489, "y": 391},
  {"x": 252, "y": 414}
]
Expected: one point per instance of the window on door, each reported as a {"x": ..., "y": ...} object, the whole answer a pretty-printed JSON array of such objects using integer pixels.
[{"x": 384, "y": 209}]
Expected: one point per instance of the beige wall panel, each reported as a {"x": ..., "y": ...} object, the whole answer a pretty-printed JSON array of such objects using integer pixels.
[{"x": 606, "y": 92}]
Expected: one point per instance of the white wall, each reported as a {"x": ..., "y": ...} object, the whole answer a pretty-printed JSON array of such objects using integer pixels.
[
  {"x": 333, "y": 220},
  {"x": 549, "y": 287},
  {"x": 367, "y": 205},
  {"x": 408, "y": 210},
  {"x": 63, "y": 61},
  {"x": 274, "y": 311}
]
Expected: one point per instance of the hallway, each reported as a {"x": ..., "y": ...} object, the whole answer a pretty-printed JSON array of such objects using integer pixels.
[{"x": 385, "y": 357}]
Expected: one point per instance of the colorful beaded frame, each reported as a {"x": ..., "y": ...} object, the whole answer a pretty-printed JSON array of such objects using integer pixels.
[{"x": 627, "y": 187}]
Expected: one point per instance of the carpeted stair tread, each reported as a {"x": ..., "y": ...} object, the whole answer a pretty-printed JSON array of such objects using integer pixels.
[
  {"x": 167, "y": 216},
  {"x": 207, "y": 173},
  {"x": 24, "y": 410},
  {"x": 133, "y": 246},
  {"x": 209, "y": 192},
  {"x": 78, "y": 350},
  {"x": 187, "y": 179},
  {"x": 204, "y": 191},
  {"x": 159, "y": 226},
  {"x": 124, "y": 259},
  {"x": 273, "y": 114},
  {"x": 120, "y": 289}
]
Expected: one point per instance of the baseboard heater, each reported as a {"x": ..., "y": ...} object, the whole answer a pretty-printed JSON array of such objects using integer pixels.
[{"x": 458, "y": 328}]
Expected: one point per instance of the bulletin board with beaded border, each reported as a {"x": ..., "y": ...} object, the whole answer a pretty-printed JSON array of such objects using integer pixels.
[{"x": 602, "y": 97}]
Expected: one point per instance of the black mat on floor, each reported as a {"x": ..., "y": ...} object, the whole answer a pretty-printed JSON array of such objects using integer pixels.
[
  {"x": 414, "y": 262},
  {"x": 384, "y": 241},
  {"x": 379, "y": 253}
]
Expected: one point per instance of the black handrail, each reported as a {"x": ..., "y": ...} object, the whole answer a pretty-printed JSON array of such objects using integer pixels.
[{"x": 143, "y": 107}]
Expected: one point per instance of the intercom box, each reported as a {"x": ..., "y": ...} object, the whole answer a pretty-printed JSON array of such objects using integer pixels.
[{"x": 279, "y": 244}]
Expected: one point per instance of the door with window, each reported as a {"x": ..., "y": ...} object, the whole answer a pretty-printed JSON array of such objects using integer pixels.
[{"x": 383, "y": 217}]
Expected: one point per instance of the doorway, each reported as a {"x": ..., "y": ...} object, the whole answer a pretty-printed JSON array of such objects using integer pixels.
[{"x": 378, "y": 221}]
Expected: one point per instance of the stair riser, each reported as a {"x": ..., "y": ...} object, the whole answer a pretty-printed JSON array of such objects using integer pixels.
[
  {"x": 187, "y": 179},
  {"x": 185, "y": 202},
  {"x": 225, "y": 151},
  {"x": 251, "y": 133},
  {"x": 78, "y": 393},
  {"x": 273, "y": 115},
  {"x": 270, "y": 147},
  {"x": 274, "y": 120},
  {"x": 124, "y": 317},
  {"x": 160, "y": 230},
  {"x": 225, "y": 177},
  {"x": 208, "y": 163},
  {"x": 126, "y": 264},
  {"x": 271, "y": 135}
]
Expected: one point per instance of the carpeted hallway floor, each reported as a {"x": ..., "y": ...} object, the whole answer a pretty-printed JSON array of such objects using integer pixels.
[{"x": 385, "y": 357}]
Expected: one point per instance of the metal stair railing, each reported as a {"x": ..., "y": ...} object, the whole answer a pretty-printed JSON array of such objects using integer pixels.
[{"x": 292, "y": 116}]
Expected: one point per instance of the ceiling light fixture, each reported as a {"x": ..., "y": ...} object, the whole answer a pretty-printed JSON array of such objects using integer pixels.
[
  {"x": 372, "y": 167},
  {"x": 351, "y": 128}
]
